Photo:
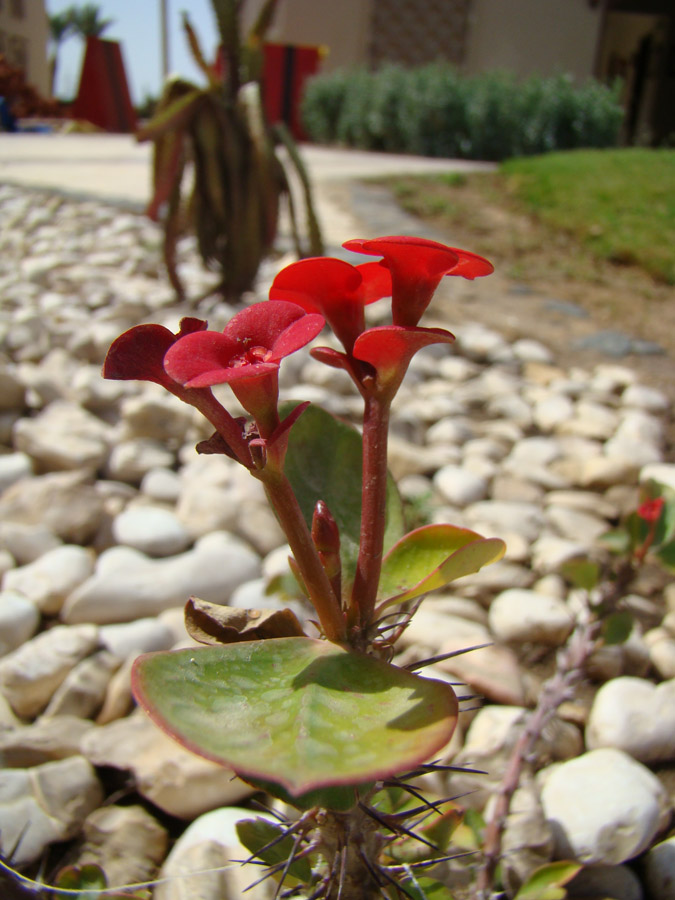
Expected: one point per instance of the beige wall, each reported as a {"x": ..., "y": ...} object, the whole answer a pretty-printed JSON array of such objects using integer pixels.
[
  {"x": 342, "y": 26},
  {"x": 532, "y": 36},
  {"x": 23, "y": 39}
]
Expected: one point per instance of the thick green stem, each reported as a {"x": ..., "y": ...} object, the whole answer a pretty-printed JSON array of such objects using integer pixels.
[
  {"x": 373, "y": 508},
  {"x": 285, "y": 504}
]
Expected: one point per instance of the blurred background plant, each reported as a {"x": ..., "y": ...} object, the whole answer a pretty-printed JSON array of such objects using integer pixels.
[
  {"x": 433, "y": 110},
  {"x": 220, "y": 134}
]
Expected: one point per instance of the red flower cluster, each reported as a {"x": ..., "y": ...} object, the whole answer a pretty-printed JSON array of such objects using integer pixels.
[
  {"x": 650, "y": 511},
  {"x": 247, "y": 353}
]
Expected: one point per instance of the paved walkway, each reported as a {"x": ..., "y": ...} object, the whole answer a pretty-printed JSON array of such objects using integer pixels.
[{"x": 117, "y": 169}]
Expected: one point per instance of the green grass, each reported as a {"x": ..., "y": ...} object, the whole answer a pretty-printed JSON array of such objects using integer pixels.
[{"x": 618, "y": 203}]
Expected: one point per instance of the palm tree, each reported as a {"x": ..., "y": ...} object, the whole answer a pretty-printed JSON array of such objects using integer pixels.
[
  {"x": 87, "y": 21},
  {"x": 61, "y": 26}
]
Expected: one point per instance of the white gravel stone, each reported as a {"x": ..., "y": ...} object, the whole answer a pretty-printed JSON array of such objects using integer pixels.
[
  {"x": 45, "y": 804},
  {"x": 460, "y": 486},
  {"x": 30, "y": 674},
  {"x": 604, "y": 807},
  {"x": 519, "y": 616},
  {"x": 635, "y": 716},
  {"x": 140, "y": 636},
  {"x": 162, "y": 485},
  {"x": 52, "y": 577},
  {"x": 151, "y": 529},
  {"x": 211, "y": 570},
  {"x": 174, "y": 779},
  {"x": 64, "y": 436},
  {"x": 208, "y": 846},
  {"x": 14, "y": 467},
  {"x": 658, "y": 867},
  {"x": 19, "y": 620}
]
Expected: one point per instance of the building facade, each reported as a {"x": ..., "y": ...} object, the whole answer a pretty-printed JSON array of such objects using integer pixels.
[
  {"x": 633, "y": 40},
  {"x": 24, "y": 34}
]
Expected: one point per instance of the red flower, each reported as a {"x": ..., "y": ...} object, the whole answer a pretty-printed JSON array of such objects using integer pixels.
[
  {"x": 138, "y": 354},
  {"x": 650, "y": 510},
  {"x": 335, "y": 289},
  {"x": 245, "y": 355},
  {"x": 417, "y": 266}
]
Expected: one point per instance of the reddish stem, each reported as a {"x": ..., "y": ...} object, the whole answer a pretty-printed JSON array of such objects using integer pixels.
[
  {"x": 285, "y": 504},
  {"x": 224, "y": 424},
  {"x": 373, "y": 508}
]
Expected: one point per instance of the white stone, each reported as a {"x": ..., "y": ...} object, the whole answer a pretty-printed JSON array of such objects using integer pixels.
[
  {"x": 152, "y": 530},
  {"x": 174, "y": 779},
  {"x": 27, "y": 542},
  {"x": 125, "y": 841},
  {"x": 64, "y": 502},
  {"x": 459, "y": 486},
  {"x": 604, "y": 807},
  {"x": 647, "y": 398},
  {"x": 30, "y": 674},
  {"x": 209, "y": 846},
  {"x": 551, "y": 411},
  {"x": 52, "y": 577},
  {"x": 658, "y": 867},
  {"x": 19, "y": 620},
  {"x": 531, "y": 351},
  {"x": 163, "y": 485},
  {"x": 661, "y": 473},
  {"x": 211, "y": 570},
  {"x": 636, "y": 716},
  {"x": 575, "y": 524},
  {"x": 64, "y": 436},
  {"x": 140, "y": 636},
  {"x": 519, "y": 616},
  {"x": 83, "y": 690},
  {"x": 525, "y": 519},
  {"x": 14, "y": 467},
  {"x": 157, "y": 416},
  {"x": 45, "y": 804},
  {"x": 130, "y": 460}
]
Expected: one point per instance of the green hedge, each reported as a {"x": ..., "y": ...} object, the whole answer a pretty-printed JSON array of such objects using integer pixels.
[{"x": 435, "y": 111}]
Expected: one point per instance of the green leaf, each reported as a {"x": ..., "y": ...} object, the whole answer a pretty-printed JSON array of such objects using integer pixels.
[
  {"x": 89, "y": 881},
  {"x": 547, "y": 882},
  {"x": 338, "y": 797},
  {"x": 323, "y": 462},
  {"x": 666, "y": 556},
  {"x": 582, "y": 573},
  {"x": 174, "y": 117},
  {"x": 432, "y": 556},
  {"x": 616, "y": 541},
  {"x": 617, "y": 627},
  {"x": 304, "y": 714},
  {"x": 256, "y": 834}
]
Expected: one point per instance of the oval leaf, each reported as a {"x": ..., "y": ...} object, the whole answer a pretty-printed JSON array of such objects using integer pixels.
[
  {"x": 432, "y": 556},
  {"x": 323, "y": 462},
  {"x": 547, "y": 882},
  {"x": 302, "y": 713}
]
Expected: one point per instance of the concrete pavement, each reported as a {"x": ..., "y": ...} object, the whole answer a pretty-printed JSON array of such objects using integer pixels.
[{"x": 116, "y": 169}]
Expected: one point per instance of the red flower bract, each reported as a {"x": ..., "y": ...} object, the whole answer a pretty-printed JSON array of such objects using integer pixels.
[
  {"x": 335, "y": 289},
  {"x": 138, "y": 354},
  {"x": 245, "y": 355},
  {"x": 650, "y": 511},
  {"x": 390, "y": 348},
  {"x": 417, "y": 265}
]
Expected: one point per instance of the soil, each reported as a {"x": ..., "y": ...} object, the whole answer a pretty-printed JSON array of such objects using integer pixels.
[{"x": 545, "y": 285}]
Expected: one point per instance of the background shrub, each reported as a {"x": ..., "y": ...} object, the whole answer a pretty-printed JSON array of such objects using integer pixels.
[{"x": 435, "y": 111}]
